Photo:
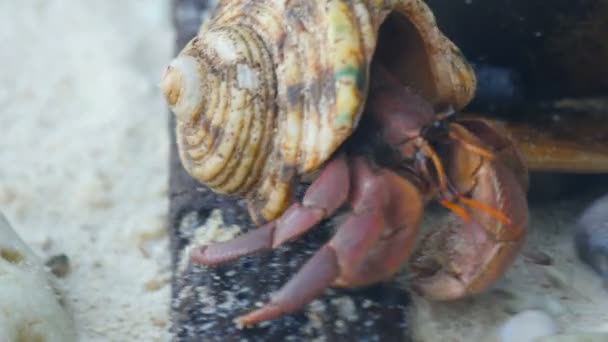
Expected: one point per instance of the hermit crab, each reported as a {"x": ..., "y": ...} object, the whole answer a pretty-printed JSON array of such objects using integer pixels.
[{"x": 359, "y": 97}]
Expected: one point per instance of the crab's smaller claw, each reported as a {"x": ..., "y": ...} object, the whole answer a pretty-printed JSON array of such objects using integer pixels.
[{"x": 467, "y": 258}]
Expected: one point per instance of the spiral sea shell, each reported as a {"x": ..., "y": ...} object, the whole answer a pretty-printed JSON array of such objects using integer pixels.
[{"x": 269, "y": 89}]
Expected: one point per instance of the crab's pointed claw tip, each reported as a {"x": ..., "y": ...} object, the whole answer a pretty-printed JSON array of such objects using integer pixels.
[
  {"x": 265, "y": 313},
  {"x": 197, "y": 254}
]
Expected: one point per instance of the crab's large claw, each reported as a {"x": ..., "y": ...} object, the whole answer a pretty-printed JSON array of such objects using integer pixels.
[{"x": 467, "y": 258}]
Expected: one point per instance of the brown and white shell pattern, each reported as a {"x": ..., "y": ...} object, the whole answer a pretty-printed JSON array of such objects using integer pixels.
[{"x": 268, "y": 90}]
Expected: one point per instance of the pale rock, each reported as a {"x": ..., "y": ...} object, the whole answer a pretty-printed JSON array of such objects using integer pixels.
[
  {"x": 577, "y": 337},
  {"x": 29, "y": 306},
  {"x": 527, "y": 326}
]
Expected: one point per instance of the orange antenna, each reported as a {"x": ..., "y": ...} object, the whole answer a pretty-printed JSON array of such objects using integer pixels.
[
  {"x": 456, "y": 133},
  {"x": 443, "y": 182},
  {"x": 460, "y": 211},
  {"x": 428, "y": 150},
  {"x": 481, "y": 206},
  {"x": 488, "y": 209}
]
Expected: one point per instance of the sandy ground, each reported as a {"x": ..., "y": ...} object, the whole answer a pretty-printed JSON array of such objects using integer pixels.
[
  {"x": 566, "y": 290},
  {"x": 84, "y": 150},
  {"x": 83, "y": 169}
]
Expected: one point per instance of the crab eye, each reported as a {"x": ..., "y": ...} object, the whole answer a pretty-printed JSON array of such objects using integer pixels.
[{"x": 420, "y": 156}]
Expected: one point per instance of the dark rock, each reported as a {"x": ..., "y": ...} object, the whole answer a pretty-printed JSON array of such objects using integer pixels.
[
  {"x": 499, "y": 89},
  {"x": 538, "y": 257},
  {"x": 59, "y": 265}
]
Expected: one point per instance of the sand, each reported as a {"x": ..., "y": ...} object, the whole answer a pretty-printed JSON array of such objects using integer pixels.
[
  {"x": 567, "y": 290},
  {"x": 83, "y": 154},
  {"x": 83, "y": 170}
]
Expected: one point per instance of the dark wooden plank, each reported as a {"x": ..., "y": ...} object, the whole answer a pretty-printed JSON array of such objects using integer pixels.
[{"x": 565, "y": 136}]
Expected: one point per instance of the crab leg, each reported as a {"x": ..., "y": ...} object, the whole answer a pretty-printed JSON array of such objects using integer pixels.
[
  {"x": 322, "y": 269},
  {"x": 324, "y": 196},
  {"x": 312, "y": 279},
  {"x": 353, "y": 257}
]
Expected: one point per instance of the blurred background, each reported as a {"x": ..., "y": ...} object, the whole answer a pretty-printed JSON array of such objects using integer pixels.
[{"x": 84, "y": 153}]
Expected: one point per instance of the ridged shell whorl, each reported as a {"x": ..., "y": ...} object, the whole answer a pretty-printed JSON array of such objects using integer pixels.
[{"x": 268, "y": 90}]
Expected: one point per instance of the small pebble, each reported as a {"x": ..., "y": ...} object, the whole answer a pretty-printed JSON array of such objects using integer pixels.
[
  {"x": 11, "y": 255},
  {"x": 538, "y": 257},
  {"x": 158, "y": 322},
  {"x": 527, "y": 326},
  {"x": 153, "y": 285},
  {"x": 59, "y": 265}
]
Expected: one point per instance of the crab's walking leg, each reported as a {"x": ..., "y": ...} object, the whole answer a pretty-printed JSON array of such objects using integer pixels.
[
  {"x": 322, "y": 269},
  {"x": 324, "y": 196},
  {"x": 354, "y": 257}
]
